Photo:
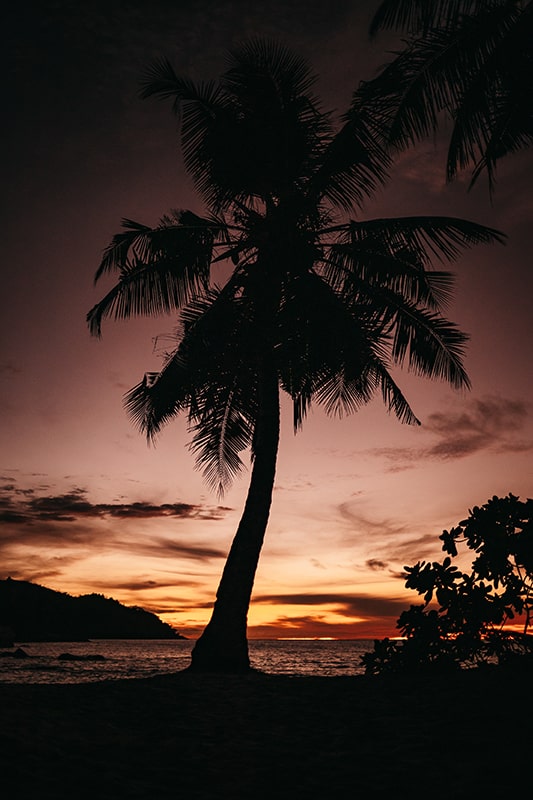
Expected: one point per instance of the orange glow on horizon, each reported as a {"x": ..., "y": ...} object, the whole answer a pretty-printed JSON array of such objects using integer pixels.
[{"x": 307, "y": 639}]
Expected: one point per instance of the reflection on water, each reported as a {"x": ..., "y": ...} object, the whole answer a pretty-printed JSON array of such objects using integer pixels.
[
  {"x": 309, "y": 657},
  {"x": 147, "y": 658}
]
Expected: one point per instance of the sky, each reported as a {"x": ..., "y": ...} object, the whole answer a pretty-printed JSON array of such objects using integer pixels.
[{"x": 85, "y": 504}]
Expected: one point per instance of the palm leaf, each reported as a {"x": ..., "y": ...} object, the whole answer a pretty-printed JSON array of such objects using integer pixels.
[
  {"x": 258, "y": 60},
  {"x": 354, "y": 163},
  {"x": 316, "y": 335},
  {"x": 392, "y": 395},
  {"x": 426, "y": 237},
  {"x": 396, "y": 253},
  {"x": 419, "y": 16},
  {"x": 159, "y": 397},
  {"x": 218, "y": 342},
  {"x": 223, "y": 430},
  {"x": 160, "y": 269},
  {"x": 473, "y": 61},
  {"x": 431, "y": 346}
]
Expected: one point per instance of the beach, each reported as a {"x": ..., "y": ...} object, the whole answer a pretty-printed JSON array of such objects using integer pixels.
[{"x": 257, "y": 735}]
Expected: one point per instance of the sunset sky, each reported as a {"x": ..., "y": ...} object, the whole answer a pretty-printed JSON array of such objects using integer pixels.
[{"x": 86, "y": 505}]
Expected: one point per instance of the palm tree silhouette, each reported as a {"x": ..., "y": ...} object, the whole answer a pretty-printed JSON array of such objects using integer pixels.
[
  {"x": 472, "y": 60},
  {"x": 311, "y": 302}
]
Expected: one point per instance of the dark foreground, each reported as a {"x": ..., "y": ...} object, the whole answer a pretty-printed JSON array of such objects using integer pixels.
[{"x": 269, "y": 736}]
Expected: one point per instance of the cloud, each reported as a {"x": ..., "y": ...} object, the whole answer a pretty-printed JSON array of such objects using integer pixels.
[
  {"x": 345, "y": 616},
  {"x": 165, "y": 548},
  {"x": 369, "y": 527},
  {"x": 348, "y": 605},
  {"x": 389, "y": 544},
  {"x": 143, "y": 585},
  {"x": 61, "y": 529},
  {"x": 415, "y": 548},
  {"x": 376, "y": 564},
  {"x": 74, "y": 505},
  {"x": 41, "y": 568},
  {"x": 488, "y": 424},
  {"x": 9, "y": 368}
]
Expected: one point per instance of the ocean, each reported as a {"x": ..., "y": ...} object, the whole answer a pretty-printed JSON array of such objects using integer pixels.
[{"x": 128, "y": 658}]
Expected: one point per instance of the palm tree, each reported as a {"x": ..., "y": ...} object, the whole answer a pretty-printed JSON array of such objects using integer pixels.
[
  {"x": 469, "y": 59},
  {"x": 311, "y": 302}
]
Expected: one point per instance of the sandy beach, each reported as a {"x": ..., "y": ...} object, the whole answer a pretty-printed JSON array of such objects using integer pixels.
[{"x": 268, "y": 736}]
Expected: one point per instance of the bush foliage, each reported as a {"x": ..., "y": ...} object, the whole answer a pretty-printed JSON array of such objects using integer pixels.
[{"x": 465, "y": 617}]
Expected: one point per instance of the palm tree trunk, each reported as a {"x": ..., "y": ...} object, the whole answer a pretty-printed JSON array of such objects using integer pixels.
[{"x": 223, "y": 646}]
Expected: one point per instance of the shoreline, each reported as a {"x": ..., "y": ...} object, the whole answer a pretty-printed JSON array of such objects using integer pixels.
[{"x": 212, "y": 736}]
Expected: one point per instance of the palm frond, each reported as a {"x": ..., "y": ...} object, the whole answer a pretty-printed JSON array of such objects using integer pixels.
[
  {"x": 160, "y": 80},
  {"x": 208, "y": 376},
  {"x": 145, "y": 290},
  {"x": 360, "y": 370},
  {"x": 222, "y": 431},
  {"x": 432, "y": 346},
  {"x": 409, "y": 95},
  {"x": 159, "y": 397},
  {"x": 473, "y": 61},
  {"x": 364, "y": 271},
  {"x": 354, "y": 164},
  {"x": 116, "y": 254},
  {"x": 341, "y": 394},
  {"x": 161, "y": 269},
  {"x": 419, "y": 16},
  {"x": 505, "y": 118},
  {"x": 219, "y": 346},
  {"x": 204, "y": 110},
  {"x": 317, "y": 335},
  {"x": 255, "y": 134},
  {"x": 425, "y": 237},
  {"x": 397, "y": 254},
  {"x": 260, "y": 58},
  {"x": 392, "y": 395},
  {"x": 182, "y": 234}
]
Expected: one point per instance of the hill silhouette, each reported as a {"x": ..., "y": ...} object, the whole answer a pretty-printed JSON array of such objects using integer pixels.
[{"x": 29, "y": 612}]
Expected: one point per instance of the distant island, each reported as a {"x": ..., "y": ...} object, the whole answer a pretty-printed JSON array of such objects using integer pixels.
[{"x": 33, "y": 613}]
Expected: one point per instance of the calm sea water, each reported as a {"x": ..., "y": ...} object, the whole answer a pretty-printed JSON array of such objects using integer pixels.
[{"x": 147, "y": 658}]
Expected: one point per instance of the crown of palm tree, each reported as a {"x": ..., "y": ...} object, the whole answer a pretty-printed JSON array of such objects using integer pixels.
[{"x": 332, "y": 303}]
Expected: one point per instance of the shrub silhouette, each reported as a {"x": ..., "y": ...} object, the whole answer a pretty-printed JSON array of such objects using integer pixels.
[{"x": 465, "y": 617}]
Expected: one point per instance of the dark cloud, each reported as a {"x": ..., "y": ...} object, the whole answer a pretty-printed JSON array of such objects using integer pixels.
[
  {"x": 376, "y": 564},
  {"x": 8, "y": 369},
  {"x": 143, "y": 585},
  {"x": 330, "y": 614},
  {"x": 13, "y": 517},
  {"x": 491, "y": 424},
  {"x": 369, "y": 527},
  {"x": 347, "y": 605},
  {"x": 41, "y": 568},
  {"x": 413, "y": 548},
  {"x": 391, "y": 543},
  {"x": 485, "y": 423},
  {"x": 74, "y": 505},
  {"x": 163, "y": 548},
  {"x": 61, "y": 528},
  {"x": 305, "y": 624}
]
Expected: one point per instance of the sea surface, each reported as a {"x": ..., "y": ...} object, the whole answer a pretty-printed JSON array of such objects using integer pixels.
[{"x": 128, "y": 658}]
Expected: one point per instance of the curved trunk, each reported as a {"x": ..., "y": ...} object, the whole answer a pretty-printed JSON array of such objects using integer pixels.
[{"x": 223, "y": 646}]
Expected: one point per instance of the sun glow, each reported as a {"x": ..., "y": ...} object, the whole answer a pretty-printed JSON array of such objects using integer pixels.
[{"x": 306, "y": 639}]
